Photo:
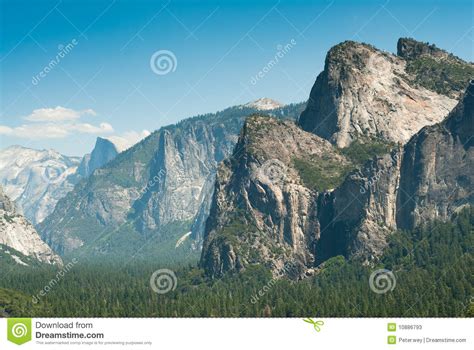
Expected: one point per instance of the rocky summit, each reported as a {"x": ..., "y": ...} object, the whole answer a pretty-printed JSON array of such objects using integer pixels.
[
  {"x": 265, "y": 204},
  {"x": 365, "y": 92},
  {"x": 104, "y": 151}
]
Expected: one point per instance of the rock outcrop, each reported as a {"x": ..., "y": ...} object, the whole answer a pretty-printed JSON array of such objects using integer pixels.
[
  {"x": 434, "y": 68},
  {"x": 364, "y": 92},
  {"x": 37, "y": 179},
  {"x": 264, "y": 208},
  {"x": 264, "y": 104},
  {"x": 104, "y": 151},
  {"x": 437, "y": 172},
  {"x": 17, "y": 233}
]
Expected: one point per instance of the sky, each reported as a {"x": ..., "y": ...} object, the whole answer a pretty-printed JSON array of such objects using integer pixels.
[{"x": 74, "y": 70}]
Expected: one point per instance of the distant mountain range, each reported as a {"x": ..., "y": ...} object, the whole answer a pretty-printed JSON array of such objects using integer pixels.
[{"x": 36, "y": 179}]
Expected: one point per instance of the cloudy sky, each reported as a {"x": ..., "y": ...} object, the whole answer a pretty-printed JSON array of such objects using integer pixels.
[{"x": 74, "y": 70}]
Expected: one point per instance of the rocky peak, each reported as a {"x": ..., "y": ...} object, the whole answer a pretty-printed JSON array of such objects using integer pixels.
[
  {"x": 366, "y": 92},
  {"x": 104, "y": 151},
  {"x": 264, "y": 104},
  {"x": 265, "y": 199},
  {"x": 435, "y": 69},
  {"x": 409, "y": 48}
]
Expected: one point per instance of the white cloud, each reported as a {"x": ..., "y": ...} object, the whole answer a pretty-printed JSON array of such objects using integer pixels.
[
  {"x": 56, "y": 123},
  {"x": 128, "y": 139},
  {"x": 55, "y": 131},
  {"x": 57, "y": 114},
  {"x": 5, "y": 130},
  {"x": 91, "y": 129}
]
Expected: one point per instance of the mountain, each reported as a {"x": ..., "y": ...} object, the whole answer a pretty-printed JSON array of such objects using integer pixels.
[
  {"x": 36, "y": 179},
  {"x": 156, "y": 191},
  {"x": 434, "y": 68},
  {"x": 437, "y": 176},
  {"x": 18, "y": 237},
  {"x": 264, "y": 104},
  {"x": 104, "y": 151},
  {"x": 289, "y": 200},
  {"x": 364, "y": 92},
  {"x": 265, "y": 205}
]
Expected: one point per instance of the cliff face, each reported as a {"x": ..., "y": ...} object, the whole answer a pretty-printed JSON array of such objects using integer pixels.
[
  {"x": 280, "y": 219},
  {"x": 265, "y": 208},
  {"x": 104, "y": 151},
  {"x": 17, "y": 233},
  {"x": 357, "y": 217},
  {"x": 366, "y": 92},
  {"x": 437, "y": 174}
]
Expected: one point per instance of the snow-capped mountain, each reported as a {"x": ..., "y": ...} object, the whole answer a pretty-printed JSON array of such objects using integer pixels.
[
  {"x": 264, "y": 104},
  {"x": 36, "y": 179}
]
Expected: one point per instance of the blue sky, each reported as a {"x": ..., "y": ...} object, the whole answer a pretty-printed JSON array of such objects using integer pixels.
[{"x": 105, "y": 85}]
